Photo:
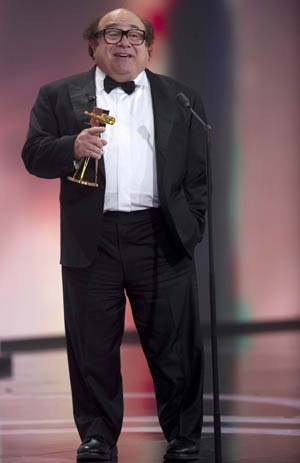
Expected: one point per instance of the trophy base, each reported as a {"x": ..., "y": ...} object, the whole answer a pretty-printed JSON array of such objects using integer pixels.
[{"x": 83, "y": 182}]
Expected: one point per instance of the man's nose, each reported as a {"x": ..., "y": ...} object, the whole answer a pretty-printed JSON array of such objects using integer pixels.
[{"x": 124, "y": 41}]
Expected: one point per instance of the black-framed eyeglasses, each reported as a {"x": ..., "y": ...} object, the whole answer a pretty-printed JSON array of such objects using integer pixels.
[{"x": 114, "y": 36}]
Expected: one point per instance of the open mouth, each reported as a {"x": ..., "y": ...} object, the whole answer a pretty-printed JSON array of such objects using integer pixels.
[{"x": 123, "y": 55}]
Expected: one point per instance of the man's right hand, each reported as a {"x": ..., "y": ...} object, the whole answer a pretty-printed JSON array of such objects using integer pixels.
[{"x": 88, "y": 143}]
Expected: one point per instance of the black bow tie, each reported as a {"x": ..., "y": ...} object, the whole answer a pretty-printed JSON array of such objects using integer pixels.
[{"x": 110, "y": 84}]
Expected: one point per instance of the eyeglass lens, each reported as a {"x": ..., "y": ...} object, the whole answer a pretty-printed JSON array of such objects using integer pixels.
[{"x": 135, "y": 37}]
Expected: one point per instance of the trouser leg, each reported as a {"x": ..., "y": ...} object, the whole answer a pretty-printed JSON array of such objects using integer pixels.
[
  {"x": 94, "y": 305},
  {"x": 161, "y": 286},
  {"x": 168, "y": 328}
]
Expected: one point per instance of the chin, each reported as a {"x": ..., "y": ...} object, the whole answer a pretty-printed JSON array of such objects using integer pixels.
[{"x": 124, "y": 74}]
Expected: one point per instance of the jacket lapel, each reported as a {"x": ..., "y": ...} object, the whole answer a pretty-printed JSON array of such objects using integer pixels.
[
  {"x": 83, "y": 98},
  {"x": 163, "y": 113}
]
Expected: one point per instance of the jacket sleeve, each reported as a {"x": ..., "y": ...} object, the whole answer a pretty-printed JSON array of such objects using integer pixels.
[
  {"x": 47, "y": 153},
  {"x": 195, "y": 182}
]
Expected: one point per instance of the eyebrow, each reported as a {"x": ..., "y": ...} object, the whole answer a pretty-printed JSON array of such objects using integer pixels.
[{"x": 133, "y": 26}]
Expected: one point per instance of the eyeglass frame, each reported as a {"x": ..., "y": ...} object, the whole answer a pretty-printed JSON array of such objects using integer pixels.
[{"x": 103, "y": 31}]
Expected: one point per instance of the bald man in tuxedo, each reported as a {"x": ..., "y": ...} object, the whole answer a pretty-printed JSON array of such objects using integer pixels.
[{"x": 135, "y": 232}]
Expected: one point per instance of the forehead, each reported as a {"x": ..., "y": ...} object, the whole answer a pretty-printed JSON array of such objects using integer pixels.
[{"x": 120, "y": 19}]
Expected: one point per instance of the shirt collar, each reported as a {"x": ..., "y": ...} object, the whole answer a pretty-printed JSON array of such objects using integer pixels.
[{"x": 140, "y": 81}]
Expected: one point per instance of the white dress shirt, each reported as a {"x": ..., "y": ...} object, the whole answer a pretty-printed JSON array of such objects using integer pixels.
[{"x": 129, "y": 156}]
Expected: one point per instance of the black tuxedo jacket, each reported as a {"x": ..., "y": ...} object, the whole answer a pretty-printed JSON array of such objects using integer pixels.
[{"x": 56, "y": 119}]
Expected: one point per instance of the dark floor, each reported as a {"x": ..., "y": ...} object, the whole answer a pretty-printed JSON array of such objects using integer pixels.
[{"x": 260, "y": 405}]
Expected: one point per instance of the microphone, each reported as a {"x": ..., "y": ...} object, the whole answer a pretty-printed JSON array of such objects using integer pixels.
[
  {"x": 184, "y": 101},
  {"x": 91, "y": 98}
]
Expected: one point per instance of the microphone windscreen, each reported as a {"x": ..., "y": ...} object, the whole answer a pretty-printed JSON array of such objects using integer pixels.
[{"x": 183, "y": 100}]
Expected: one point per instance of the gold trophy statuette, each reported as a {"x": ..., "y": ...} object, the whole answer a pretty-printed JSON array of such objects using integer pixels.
[{"x": 98, "y": 118}]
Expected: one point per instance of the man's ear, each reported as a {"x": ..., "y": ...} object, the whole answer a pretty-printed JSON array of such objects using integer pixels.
[
  {"x": 93, "y": 44},
  {"x": 150, "y": 49}
]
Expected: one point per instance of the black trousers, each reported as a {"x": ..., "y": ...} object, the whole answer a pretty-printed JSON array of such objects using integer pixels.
[{"x": 135, "y": 255}]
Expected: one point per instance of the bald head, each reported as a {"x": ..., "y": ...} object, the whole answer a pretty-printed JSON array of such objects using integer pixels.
[{"x": 120, "y": 15}]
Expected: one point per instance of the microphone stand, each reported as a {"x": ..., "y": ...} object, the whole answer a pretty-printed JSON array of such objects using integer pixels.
[{"x": 184, "y": 101}]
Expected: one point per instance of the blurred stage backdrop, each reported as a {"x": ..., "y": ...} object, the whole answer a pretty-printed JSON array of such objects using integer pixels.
[{"x": 243, "y": 57}]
